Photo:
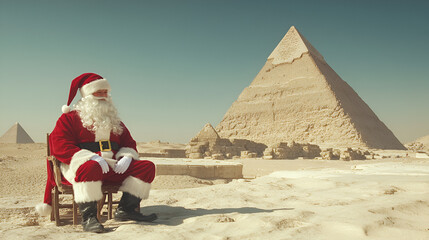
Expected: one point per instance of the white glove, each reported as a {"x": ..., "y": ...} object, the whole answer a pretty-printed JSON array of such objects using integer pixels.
[
  {"x": 102, "y": 162},
  {"x": 123, "y": 164}
]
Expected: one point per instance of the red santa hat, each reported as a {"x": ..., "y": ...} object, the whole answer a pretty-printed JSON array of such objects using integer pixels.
[{"x": 88, "y": 83}]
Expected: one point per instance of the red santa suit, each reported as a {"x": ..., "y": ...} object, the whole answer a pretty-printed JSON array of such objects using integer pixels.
[
  {"x": 85, "y": 175},
  {"x": 104, "y": 154}
]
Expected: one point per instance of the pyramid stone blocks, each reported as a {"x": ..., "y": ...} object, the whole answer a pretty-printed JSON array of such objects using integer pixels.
[{"x": 297, "y": 97}]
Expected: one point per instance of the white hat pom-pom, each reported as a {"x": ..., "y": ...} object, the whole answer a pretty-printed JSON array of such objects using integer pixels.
[{"x": 65, "y": 109}]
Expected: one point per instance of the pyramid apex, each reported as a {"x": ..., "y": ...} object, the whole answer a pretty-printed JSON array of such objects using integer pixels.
[
  {"x": 291, "y": 47},
  {"x": 208, "y": 133}
]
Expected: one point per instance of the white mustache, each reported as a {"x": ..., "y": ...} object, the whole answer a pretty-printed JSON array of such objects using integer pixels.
[{"x": 100, "y": 98}]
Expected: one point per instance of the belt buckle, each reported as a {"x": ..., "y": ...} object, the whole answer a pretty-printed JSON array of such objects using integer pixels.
[{"x": 105, "y": 145}]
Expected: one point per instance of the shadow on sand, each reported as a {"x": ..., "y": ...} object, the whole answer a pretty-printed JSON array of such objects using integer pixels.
[{"x": 175, "y": 215}]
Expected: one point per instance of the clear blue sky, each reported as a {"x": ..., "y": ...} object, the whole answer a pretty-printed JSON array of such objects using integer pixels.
[{"x": 176, "y": 65}]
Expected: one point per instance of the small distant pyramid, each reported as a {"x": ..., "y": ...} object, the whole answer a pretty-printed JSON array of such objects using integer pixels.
[
  {"x": 298, "y": 97},
  {"x": 208, "y": 133},
  {"x": 16, "y": 134}
]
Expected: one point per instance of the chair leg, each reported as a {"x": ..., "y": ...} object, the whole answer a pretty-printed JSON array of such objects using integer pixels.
[
  {"x": 52, "y": 211},
  {"x": 56, "y": 206},
  {"x": 109, "y": 205},
  {"x": 100, "y": 205},
  {"x": 74, "y": 212}
]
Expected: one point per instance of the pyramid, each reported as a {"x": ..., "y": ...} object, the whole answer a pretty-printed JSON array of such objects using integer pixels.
[
  {"x": 208, "y": 133},
  {"x": 16, "y": 134},
  {"x": 298, "y": 97}
]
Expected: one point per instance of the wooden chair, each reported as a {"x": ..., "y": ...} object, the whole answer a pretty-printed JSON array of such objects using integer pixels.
[{"x": 62, "y": 188}]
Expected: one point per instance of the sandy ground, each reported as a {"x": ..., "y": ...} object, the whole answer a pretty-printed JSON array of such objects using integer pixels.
[
  {"x": 157, "y": 146},
  {"x": 278, "y": 199}
]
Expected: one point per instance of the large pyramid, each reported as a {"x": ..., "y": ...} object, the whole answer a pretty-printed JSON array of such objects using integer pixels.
[
  {"x": 297, "y": 97},
  {"x": 16, "y": 134}
]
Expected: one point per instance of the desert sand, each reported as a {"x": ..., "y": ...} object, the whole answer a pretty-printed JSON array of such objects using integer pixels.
[{"x": 276, "y": 199}]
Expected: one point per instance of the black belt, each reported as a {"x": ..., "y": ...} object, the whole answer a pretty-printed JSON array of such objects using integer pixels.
[{"x": 100, "y": 146}]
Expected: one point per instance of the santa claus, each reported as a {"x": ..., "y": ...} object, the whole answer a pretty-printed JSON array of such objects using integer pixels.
[{"x": 95, "y": 147}]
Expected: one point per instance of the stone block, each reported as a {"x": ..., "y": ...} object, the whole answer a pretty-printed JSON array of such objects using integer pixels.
[
  {"x": 248, "y": 154},
  {"x": 268, "y": 152},
  {"x": 195, "y": 155},
  {"x": 280, "y": 145},
  {"x": 239, "y": 142},
  {"x": 223, "y": 142},
  {"x": 351, "y": 154},
  {"x": 174, "y": 153},
  {"x": 228, "y": 171},
  {"x": 218, "y": 156},
  {"x": 217, "y": 149},
  {"x": 201, "y": 171},
  {"x": 166, "y": 169}
]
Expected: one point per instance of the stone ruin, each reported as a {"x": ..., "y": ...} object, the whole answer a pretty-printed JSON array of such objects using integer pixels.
[
  {"x": 420, "y": 145},
  {"x": 292, "y": 151},
  {"x": 208, "y": 144},
  {"x": 346, "y": 155},
  {"x": 416, "y": 146},
  {"x": 311, "y": 151}
]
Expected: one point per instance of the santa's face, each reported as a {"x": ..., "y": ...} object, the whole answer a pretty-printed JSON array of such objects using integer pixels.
[
  {"x": 102, "y": 93},
  {"x": 97, "y": 112}
]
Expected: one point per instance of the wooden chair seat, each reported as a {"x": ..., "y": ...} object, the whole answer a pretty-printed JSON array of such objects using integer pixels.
[{"x": 62, "y": 188}]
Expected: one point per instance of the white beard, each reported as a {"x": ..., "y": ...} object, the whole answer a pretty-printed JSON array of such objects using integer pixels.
[{"x": 99, "y": 115}]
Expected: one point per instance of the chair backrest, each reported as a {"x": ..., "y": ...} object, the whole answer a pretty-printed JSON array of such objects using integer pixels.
[{"x": 55, "y": 164}]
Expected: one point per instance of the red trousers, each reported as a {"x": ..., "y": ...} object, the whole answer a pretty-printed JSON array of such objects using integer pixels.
[{"x": 91, "y": 171}]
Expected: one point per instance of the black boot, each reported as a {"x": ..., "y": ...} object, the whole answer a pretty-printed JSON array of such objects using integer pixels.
[
  {"x": 90, "y": 222},
  {"x": 127, "y": 210}
]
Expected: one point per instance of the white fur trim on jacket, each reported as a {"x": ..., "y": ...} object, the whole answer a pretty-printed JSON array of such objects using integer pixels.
[
  {"x": 136, "y": 187},
  {"x": 107, "y": 154},
  {"x": 79, "y": 158},
  {"x": 87, "y": 191},
  {"x": 126, "y": 151},
  {"x": 102, "y": 134},
  {"x": 43, "y": 209},
  {"x": 94, "y": 86}
]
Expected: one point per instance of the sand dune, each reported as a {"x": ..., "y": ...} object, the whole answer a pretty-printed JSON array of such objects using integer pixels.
[{"x": 290, "y": 199}]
